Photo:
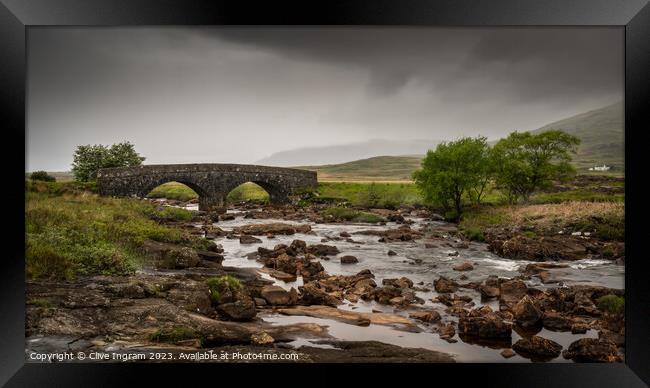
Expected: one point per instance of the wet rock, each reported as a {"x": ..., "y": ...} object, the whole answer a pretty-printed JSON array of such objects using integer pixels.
[
  {"x": 556, "y": 321},
  {"x": 391, "y": 253},
  {"x": 537, "y": 348},
  {"x": 262, "y": 338},
  {"x": 246, "y": 239},
  {"x": 349, "y": 260},
  {"x": 345, "y": 234},
  {"x": 323, "y": 250},
  {"x": 526, "y": 313},
  {"x": 298, "y": 246},
  {"x": 488, "y": 292},
  {"x": 312, "y": 294},
  {"x": 402, "y": 282},
  {"x": 445, "y": 285},
  {"x": 507, "y": 353},
  {"x": 425, "y": 316},
  {"x": 446, "y": 331},
  {"x": 243, "y": 309},
  {"x": 483, "y": 323},
  {"x": 210, "y": 256},
  {"x": 275, "y": 295},
  {"x": 463, "y": 267},
  {"x": 583, "y": 305},
  {"x": 259, "y": 301},
  {"x": 351, "y": 317},
  {"x": 510, "y": 292},
  {"x": 592, "y": 350},
  {"x": 285, "y": 277},
  {"x": 579, "y": 328},
  {"x": 454, "y": 253}
]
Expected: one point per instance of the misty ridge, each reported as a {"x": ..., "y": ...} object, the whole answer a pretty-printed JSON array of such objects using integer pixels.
[{"x": 347, "y": 152}]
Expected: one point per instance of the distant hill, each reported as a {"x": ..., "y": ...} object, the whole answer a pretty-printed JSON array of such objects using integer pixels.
[
  {"x": 333, "y": 154},
  {"x": 378, "y": 168},
  {"x": 602, "y": 134}
]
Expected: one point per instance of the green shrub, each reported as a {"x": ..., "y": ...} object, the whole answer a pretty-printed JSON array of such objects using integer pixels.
[
  {"x": 173, "y": 335},
  {"x": 40, "y": 302},
  {"x": 170, "y": 213},
  {"x": 611, "y": 304},
  {"x": 219, "y": 285},
  {"x": 42, "y": 176},
  {"x": 474, "y": 234},
  {"x": 346, "y": 214}
]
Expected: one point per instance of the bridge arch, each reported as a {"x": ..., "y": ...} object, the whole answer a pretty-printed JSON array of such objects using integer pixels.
[{"x": 212, "y": 182}]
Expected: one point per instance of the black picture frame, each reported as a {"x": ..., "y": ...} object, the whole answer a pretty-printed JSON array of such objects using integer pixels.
[{"x": 16, "y": 16}]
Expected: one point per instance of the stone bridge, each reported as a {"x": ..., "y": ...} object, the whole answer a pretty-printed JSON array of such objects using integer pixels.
[{"x": 212, "y": 182}]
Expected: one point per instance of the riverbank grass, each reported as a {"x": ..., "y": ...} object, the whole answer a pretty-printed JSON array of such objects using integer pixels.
[{"x": 71, "y": 232}]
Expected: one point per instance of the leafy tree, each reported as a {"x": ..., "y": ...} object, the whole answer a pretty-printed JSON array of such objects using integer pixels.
[
  {"x": 41, "y": 176},
  {"x": 88, "y": 159},
  {"x": 526, "y": 162},
  {"x": 453, "y": 171}
]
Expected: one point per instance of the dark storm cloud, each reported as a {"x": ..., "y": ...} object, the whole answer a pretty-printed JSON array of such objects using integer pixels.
[{"x": 238, "y": 94}]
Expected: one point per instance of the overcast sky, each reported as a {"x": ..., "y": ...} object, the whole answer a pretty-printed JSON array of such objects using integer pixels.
[{"x": 186, "y": 95}]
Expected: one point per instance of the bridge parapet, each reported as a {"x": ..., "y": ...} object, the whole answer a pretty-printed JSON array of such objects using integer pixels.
[{"x": 212, "y": 182}]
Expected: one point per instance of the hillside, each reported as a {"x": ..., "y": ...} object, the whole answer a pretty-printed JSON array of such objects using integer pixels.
[
  {"x": 343, "y": 153},
  {"x": 378, "y": 168},
  {"x": 602, "y": 135}
]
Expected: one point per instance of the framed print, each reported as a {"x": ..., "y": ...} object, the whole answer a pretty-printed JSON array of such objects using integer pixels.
[{"x": 456, "y": 186}]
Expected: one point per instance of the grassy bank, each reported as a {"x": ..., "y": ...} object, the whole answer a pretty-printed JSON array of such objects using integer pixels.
[
  {"x": 605, "y": 220},
  {"x": 72, "y": 231}
]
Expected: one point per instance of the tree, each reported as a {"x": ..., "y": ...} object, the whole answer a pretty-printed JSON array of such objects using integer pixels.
[
  {"x": 526, "y": 162},
  {"x": 455, "y": 170},
  {"x": 88, "y": 159},
  {"x": 41, "y": 176}
]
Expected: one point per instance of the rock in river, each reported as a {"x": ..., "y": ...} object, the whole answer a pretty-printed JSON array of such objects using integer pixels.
[
  {"x": 246, "y": 239},
  {"x": 444, "y": 285},
  {"x": 537, "y": 348},
  {"x": 275, "y": 295},
  {"x": 464, "y": 267},
  {"x": 349, "y": 260},
  {"x": 526, "y": 313},
  {"x": 592, "y": 350}
]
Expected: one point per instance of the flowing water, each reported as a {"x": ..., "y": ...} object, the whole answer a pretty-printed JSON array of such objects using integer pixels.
[{"x": 420, "y": 264}]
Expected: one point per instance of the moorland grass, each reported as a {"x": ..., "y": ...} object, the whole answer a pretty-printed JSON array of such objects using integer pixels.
[{"x": 71, "y": 232}]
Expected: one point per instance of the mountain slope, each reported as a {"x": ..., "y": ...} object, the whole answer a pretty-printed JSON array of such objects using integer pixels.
[
  {"x": 333, "y": 154},
  {"x": 379, "y": 168},
  {"x": 601, "y": 132}
]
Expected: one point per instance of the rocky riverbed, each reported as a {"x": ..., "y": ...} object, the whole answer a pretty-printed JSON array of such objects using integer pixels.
[{"x": 409, "y": 289}]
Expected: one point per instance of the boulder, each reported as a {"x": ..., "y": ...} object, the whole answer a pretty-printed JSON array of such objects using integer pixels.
[
  {"x": 445, "y": 285},
  {"x": 275, "y": 295},
  {"x": 349, "y": 259},
  {"x": 312, "y": 294},
  {"x": 466, "y": 266},
  {"x": 246, "y": 239},
  {"x": 511, "y": 291},
  {"x": 243, "y": 309},
  {"x": 556, "y": 321},
  {"x": 391, "y": 253},
  {"x": 526, "y": 313},
  {"x": 323, "y": 250},
  {"x": 537, "y": 348},
  {"x": 402, "y": 282},
  {"x": 425, "y": 316},
  {"x": 592, "y": 350},
  {"x": 183, "y": 257},
  {"x": 483, "y": 323},
  {"x": 488, "y": 292}
]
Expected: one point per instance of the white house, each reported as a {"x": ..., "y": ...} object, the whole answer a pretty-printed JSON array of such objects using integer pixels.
[{"x": 604, "y": 167}]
